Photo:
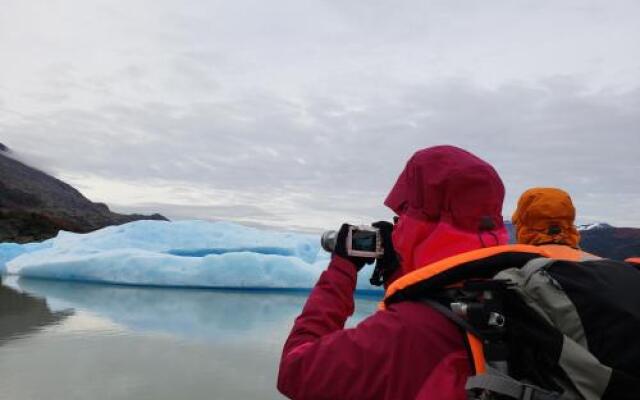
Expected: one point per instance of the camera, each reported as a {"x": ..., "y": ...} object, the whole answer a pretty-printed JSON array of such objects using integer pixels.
[{"x": 362, "y": 241}]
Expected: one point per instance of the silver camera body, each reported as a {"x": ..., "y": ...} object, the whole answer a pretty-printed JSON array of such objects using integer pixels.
[{"x": 362, "y": 241}]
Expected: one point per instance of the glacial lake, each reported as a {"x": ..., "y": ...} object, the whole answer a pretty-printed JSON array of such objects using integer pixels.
[{"x": 69, "y": 340}]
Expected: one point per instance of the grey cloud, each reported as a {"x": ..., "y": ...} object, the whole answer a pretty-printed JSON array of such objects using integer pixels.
[
  {"x": 555, "y": 133},
  {"x": 309, "y": 110},
  {"x": 181, "y": 211}
]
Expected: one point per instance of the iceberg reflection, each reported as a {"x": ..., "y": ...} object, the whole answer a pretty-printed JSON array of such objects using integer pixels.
[
  {"x": 202, "y": 314},
  {"x": 21, "y": 314}
]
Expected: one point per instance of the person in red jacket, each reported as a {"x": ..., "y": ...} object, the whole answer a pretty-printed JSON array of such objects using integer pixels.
[{"x": 448, "y": 202}]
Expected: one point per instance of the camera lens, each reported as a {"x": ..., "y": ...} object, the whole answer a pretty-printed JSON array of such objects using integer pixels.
[{"x": 328, "y": 240}]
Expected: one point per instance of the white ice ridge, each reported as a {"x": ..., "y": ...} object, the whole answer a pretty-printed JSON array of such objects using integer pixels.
[{"x": 182, "y": 253}]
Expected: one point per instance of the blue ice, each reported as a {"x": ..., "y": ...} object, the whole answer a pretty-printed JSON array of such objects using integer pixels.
[
  {"x": 9, "y": 251},
  {"x": 180, "y": 254}
]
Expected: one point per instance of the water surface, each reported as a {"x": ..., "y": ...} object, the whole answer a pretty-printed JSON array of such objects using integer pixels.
[{"x": 67, "y": 340}]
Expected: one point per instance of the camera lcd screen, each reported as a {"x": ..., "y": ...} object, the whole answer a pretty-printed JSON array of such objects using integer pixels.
[{"x": 363, "y": 241}]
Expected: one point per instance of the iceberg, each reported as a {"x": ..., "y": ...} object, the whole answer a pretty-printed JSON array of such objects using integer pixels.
[
  {"x": 9, "y": 251},
  {"x": 196, "y": 254}
]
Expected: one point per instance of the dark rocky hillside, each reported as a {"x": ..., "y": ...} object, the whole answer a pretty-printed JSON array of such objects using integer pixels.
[
  {"x": 604, "y": 240},
  {"x": 611, "y": 242},
  {"x": 34, "y": 206}
]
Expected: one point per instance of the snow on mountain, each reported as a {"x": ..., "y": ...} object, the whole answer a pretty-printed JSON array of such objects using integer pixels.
[{"x": 597, "y": 225}]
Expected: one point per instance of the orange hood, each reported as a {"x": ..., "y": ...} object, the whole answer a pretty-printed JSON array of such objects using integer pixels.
[{"x": 546, "y": 216}]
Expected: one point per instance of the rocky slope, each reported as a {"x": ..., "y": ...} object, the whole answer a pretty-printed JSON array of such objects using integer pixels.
[
  {"x": 611, "y": 242},
  {"x": 34, "y": 206},
  {"x": 604, "y": 240}
]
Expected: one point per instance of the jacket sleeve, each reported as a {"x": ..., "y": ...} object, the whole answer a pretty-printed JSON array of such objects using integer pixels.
[{"x": 321, "y": 359}]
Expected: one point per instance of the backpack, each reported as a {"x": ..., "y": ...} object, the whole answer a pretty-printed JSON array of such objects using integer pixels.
[{"x": 537, "y": 328}]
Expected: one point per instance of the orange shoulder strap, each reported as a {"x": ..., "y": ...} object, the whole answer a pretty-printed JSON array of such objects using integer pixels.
[
  {"x": 431, "y": 270},
  {"x": 477, "y": 354}
]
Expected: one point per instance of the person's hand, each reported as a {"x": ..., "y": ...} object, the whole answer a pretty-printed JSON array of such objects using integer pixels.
[
  {"x": 341, "y": 249},
  {"x": 388, "y": 263}
]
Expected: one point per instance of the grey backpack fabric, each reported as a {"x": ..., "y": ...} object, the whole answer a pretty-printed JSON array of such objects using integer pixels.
[
  {"x": 593, "y": 308},
  {"x": 568, "y": 330}
]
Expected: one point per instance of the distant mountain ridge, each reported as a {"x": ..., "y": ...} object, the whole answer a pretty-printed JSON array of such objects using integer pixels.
[
  {"x": 603, "y": 240},
  {"x": 611, "y": 242},
  {"x": 34, "y": 206}
]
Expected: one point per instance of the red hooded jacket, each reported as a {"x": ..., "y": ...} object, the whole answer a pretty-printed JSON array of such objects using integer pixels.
[{"x": 449, "y": 202}]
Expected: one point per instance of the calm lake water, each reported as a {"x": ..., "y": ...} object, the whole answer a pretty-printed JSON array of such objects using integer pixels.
[{"x": 65, "y": 340}]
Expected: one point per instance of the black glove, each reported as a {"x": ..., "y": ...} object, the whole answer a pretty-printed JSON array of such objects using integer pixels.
[
  {"x": 341, "y": 249},
  {"x": 389, "y": 262}
]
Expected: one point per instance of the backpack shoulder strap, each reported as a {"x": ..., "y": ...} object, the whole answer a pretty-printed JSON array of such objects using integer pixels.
[
  {"x": 472, "y": 336},
  {"x": 488, "y": 379},
  {"x": 498, "y": 383}
]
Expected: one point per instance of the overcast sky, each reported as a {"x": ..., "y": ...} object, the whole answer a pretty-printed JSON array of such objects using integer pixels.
[{"x": 301, "y": 113}]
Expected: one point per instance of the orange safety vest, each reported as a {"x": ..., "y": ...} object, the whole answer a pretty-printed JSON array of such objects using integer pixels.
[{"x": 562, "y": 252}]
